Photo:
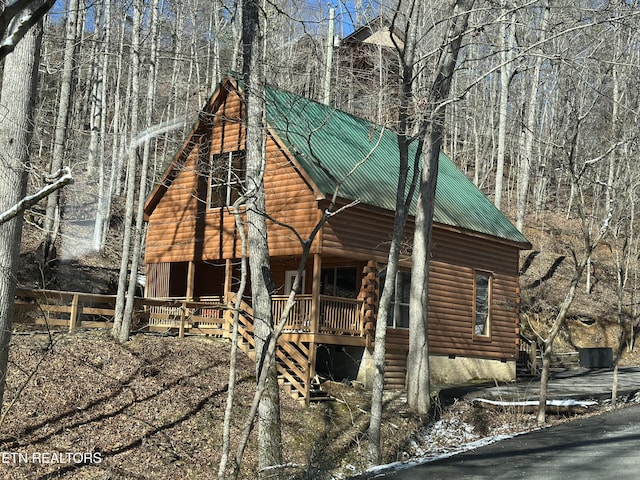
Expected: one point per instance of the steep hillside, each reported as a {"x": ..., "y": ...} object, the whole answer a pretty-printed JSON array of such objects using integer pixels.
[
  {"x": 547, "y": 271},
  {"x": 154, "y": 408}
]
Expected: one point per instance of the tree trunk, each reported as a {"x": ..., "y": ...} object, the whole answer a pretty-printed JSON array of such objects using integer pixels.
[
  {"x": 228, "y": 411},
  {"x": 95, "y": 85},
  {"x": 589, "y": 246},
  {"x": 506, "y": 36},
  {"x": 269, "y": 434},
  {"x": 431, "y": 135},
  {"x": 119, "y": 317},
  {"x": 548, "y": 343},
  {"x": 400, "y": 217},
  {"x": 17, "y": 99},
  {"x": 138, "y": 238},
  {"x": 104, "y": 188},
  {"x": 524, "y": 169},
  {"x": 62, "y": 122}
]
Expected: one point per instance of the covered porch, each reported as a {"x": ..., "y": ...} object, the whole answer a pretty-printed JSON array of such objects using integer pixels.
[
  {"x": 340, "y": 300},
  {"x": 334, "y": 316}
]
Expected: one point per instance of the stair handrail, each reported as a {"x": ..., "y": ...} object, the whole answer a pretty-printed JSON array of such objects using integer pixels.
[{"x": 531, "y": 350}]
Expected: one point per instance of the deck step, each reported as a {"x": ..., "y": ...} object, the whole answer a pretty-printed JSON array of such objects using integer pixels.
[{"x": 317, "y": 395}]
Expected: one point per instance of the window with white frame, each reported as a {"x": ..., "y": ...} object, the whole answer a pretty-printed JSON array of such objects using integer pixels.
[
  {"x": 482, "y": 304},
  {"x": 398, "y": 316},
  {"x": 226, "y": 178}
]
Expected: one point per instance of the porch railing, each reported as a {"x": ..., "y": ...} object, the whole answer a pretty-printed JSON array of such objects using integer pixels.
[
  {"x": 341, "y": 316},
  {"x": 300, "y": 315},
  {"x": 337, "y": 316}
]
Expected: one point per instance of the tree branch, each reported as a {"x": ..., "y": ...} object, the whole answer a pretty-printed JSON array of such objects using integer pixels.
[{"x": 65, "y": 178}]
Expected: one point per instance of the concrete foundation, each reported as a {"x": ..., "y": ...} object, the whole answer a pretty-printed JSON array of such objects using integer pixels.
[
  {"x": 450, "y": 371},
  {"x": 366, "y": 370}
]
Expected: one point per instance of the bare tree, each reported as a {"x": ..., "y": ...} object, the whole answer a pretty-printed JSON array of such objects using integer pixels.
[
  {"x": 228, "y": 412},
  {"x": 17, "y": 101},
  {"x": 407, "y": 60},
  {"x": 589, "y": 244},
  {"x": 430, "y": 136},
  {"x": 529, "y": 127},
  {"x": 120, "y": 322},
  {"x": 138, "y": 236},
  {"x": 269, "y": 434},
  {"x": 52, "y": 220},
  {"x": 507, "y": 37},
  {"x": 99, "y": 130}
]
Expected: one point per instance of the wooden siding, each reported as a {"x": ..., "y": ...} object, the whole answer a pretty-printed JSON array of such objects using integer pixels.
[
  {"x": 451, "y": 315},
  {"x": 365, "y": 232},
  {"x": 359, "y": 232},
  {"x": 456, "y": 257},
  {"x": 181, "y": 228}
]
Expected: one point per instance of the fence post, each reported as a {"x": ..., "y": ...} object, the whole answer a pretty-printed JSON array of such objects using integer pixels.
[
  {"x": 183, "y": 314},
  {"x": 73, "y": 321},
  {"x": 533, "y": 357}
]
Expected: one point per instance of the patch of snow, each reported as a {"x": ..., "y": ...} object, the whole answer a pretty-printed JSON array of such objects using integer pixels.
[
  {"x": 534, "y": 403},
  {"x": 447, "y": 437},
  {"x": 432, "y": 456}
]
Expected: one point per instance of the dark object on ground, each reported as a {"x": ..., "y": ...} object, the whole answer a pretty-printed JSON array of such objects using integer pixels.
[{"x": 596, "y": 357}]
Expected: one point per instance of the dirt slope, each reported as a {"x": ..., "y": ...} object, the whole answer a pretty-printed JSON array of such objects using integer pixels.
[{"x": 153, "y": 409}]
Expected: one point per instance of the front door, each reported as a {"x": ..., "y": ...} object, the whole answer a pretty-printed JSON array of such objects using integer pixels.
[{"x": 289, "y": 278}]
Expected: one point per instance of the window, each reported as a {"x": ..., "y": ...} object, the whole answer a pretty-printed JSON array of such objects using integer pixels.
[
  {"x": 226, "y": 178},
  {"x": 482, "y": 304},
  {"x": 339, "y": 282},
  {"x": 399, "y": 309}
]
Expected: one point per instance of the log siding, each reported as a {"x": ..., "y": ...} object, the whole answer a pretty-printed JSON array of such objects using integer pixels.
[{"x": 182, "y": 228}]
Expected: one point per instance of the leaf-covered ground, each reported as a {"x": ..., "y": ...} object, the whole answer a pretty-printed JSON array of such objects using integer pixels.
[{"x": 89, "y": 408}]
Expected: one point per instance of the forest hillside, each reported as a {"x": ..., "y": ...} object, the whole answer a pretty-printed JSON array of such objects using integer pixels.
[{"x": 537, "y": 102}]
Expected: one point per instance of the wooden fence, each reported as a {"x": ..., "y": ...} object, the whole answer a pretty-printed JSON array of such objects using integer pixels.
[
  {"x": 210, "y": 315},
  {"x": 89, "y": 310},
  {"x": 56, "y": 308}
]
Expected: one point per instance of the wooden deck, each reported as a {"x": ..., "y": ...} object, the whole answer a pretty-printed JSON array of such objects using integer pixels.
[{"x": 340, "y": 322}]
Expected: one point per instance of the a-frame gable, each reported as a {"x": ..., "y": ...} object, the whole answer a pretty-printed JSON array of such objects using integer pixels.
[{"x": 183, "y": 226}]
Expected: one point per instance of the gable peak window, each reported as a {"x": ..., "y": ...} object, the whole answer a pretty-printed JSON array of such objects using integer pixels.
[{"x": 226, "y": 178}]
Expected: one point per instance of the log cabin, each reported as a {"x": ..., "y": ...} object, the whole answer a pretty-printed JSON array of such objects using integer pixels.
[{"x": 193, "y": 248}]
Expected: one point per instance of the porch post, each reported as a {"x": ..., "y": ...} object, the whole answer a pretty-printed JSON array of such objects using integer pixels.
[
  {"x": 228, "y": 269},
  {"x": 315, "y": 293},
  {"x": 191, "y": 275}
]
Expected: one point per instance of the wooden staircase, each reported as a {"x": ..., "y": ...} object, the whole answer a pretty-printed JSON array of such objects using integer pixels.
[
  {"x": 296, "y": 373},
  {"x": 529, "y": 360}
]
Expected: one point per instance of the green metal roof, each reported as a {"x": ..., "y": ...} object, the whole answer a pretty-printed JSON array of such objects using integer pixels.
[{"x": 329, "y": 144}]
